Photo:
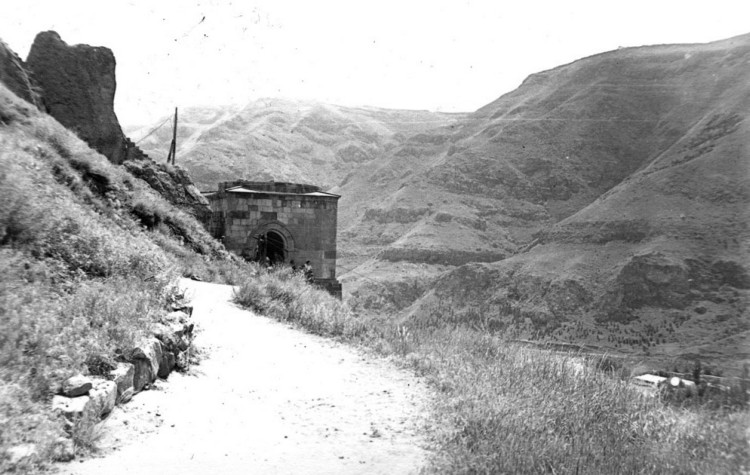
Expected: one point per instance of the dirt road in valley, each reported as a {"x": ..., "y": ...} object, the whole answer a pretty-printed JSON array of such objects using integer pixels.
[{"x": 266, "y": 399}]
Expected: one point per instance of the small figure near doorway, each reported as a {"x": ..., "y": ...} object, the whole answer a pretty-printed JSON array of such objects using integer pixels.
[{"x": 308, "y": 272}]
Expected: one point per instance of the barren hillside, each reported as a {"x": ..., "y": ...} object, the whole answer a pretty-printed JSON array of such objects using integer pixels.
[
  {"x": 618, "y": 187},
  {"x": 283, "y": 140},
  {"x": 602, "y": 201}
]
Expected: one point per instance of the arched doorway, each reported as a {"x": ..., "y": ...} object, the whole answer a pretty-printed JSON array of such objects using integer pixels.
[
  {"x": 275, "y": 249},
  {"x": 272, "y": 240}
]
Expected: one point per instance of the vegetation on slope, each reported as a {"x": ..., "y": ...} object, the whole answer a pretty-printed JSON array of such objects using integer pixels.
[
  {"x": 88, "y": 259},
  {"x": 506, "y": 408},
  {"x": 594, "y": 205}
]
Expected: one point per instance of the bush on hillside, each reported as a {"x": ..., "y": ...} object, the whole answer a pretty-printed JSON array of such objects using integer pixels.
[{"x": 287, "y": 296}]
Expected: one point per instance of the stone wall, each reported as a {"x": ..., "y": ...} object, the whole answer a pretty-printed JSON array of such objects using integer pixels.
[{"x": 305, "y": 220}]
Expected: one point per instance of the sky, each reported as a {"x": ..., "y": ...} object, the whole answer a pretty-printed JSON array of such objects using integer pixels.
[{"x": 452, "y": 56}]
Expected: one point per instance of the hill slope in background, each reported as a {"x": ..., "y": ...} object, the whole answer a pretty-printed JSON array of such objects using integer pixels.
[
  {"x": 602, "y": 201},
  {"x": 617, "y": 186},
  {"x": 656, "y": 264},
  {"x": 283, "y": 140}
]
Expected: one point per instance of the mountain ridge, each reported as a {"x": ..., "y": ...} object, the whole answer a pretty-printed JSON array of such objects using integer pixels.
[{"x": 568, "y": 191}]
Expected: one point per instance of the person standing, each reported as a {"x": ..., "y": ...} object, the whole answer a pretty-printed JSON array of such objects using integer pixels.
[{"x": 308, "y": 271}]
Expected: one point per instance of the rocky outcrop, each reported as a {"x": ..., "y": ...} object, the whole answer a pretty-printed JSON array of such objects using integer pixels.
[
  {"x": 15, "y": 77},
  {"x": 78, "y": 89},
  {"x": 173, "y": 183},
  {"x": 78, "y": 84}
]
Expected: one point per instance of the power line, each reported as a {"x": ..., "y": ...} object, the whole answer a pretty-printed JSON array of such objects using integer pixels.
[{"x": 153, "y": 130}]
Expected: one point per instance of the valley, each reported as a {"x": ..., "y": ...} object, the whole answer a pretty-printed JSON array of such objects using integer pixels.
[
  {"x": 602, "y": 202},
  {"x": 522, "y": 283}
]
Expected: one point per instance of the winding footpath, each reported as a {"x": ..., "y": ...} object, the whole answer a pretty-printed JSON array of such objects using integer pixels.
[{"x": 266, "y": 398}]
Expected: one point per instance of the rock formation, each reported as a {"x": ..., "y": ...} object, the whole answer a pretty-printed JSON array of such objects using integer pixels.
[
  {"x": 173, "y": 183},
  {"x": 15, "y": 77},
  {"x": 78, "y": 89},
  {"x": 78, "y": 84}
]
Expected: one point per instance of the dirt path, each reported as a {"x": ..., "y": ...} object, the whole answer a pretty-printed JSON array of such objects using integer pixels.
[{"x": 266, "y": 399}]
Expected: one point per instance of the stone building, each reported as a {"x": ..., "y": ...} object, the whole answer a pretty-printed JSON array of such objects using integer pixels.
[{"x": 283, "y": 222}]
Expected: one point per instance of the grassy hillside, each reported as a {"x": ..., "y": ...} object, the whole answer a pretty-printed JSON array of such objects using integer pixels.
[
  {"x": 89, "y": 255},
  {"x": 283, "y": 140},
  {"x": 602, "y": 202},
  {"x": 501, "y": 407},
  {"x": 657, "y": 265}
]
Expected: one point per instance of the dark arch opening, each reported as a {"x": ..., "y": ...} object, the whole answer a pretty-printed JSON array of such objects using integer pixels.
[{"x": 275, "y": 249}]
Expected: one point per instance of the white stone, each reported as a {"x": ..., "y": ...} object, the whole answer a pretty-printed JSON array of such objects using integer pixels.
[
  {"x": 103, "y": 396},
  {"x": 71, "y": 407},
  {"x": 122, "y": 377}
]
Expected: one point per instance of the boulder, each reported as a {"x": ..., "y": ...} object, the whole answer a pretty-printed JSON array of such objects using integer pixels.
[
  {"x": 143, "y": 374},
  {"x": 77, "y": 385},
  {"x": 145, "y": 359},
  {"x": 103, "y": 396},
  {"x": 168, "y": 336},
  {"x": 122, "y": 376},
  {"x": 167, "y": 364},
  {"x": 72, "y": 407}
]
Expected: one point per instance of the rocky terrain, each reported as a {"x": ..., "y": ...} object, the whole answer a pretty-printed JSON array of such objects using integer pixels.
[
  {"x": 76, "y": 85},
  {"x": 601, "y": 202},
  {"x": 632, "y": 170}
]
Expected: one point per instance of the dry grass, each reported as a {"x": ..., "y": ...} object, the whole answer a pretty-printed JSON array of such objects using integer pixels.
[
  {"x": 82, "y": 277},
  {"x": 506, "y": 408}
]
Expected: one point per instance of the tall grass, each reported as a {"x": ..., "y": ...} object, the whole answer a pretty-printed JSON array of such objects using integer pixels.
[
  {"x": 506, "y": 408},
  {"x": 84, "y": 274}
]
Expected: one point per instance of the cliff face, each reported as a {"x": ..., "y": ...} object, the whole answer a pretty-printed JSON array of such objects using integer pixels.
[
  {"x": 76, "y": 85},
  {"x": 79, "y": 90},
  {"x": 15, "y": 77}
]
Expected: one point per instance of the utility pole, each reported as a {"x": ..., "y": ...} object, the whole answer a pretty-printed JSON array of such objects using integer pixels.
[{"x": 173, "y": 146}]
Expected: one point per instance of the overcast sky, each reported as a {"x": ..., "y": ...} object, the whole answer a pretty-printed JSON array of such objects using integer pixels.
[{"x": 437, "y": 55}]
